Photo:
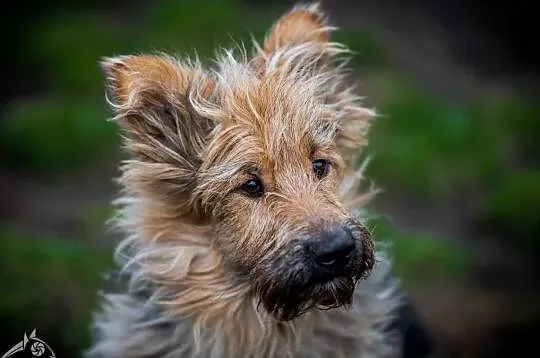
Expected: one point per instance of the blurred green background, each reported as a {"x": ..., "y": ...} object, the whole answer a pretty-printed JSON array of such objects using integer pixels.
[{"x": 456, "y": 151}]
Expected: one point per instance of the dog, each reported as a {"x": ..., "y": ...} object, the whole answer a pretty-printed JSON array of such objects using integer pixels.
[{"x": 240, "y": 208}]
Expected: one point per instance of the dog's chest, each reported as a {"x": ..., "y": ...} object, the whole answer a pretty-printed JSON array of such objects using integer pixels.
[
  {"x": 131, "y": 327},
  {"x": 337, "y": 335}
]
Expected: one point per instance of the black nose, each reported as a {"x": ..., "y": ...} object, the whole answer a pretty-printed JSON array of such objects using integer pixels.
[{"x": 332, "y": 247}]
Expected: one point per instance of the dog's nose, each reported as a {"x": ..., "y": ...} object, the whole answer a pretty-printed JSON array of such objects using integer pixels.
[{"x": 332, "y": 248}]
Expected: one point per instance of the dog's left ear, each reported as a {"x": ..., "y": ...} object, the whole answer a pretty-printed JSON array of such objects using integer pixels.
[
  {"x": 303, "y": 25},
  {"x": 298, "y": 44}
]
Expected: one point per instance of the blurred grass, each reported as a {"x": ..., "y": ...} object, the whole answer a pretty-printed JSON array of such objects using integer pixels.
[
  {"x": 432, "y": 147},
  {"x": 513, "y": 208},
  {"x": 56, "y": 135},
  {"x": 519, "y": 118},
  {"x": 189, "y": 26},
  {"x": 419, "y": 257},
  {"x": 94, "y": 220},
  {"x": 429, "y": 145},
  {"x": 365, "y": 48},
  {"x": 69, "y": 45},
  {"x": 42, "y": 275}
]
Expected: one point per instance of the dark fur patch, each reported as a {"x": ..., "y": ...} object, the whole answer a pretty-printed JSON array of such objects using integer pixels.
[
  {"x": 417, "y": 342},
  {"x": 287, "y": 287}
]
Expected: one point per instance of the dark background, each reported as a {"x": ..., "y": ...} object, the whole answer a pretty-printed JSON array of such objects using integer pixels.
[{"x": 456, "y": 151}]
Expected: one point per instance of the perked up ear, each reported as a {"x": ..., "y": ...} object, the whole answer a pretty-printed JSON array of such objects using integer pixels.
[
  {"x": 300, "y": 25},
  {"x": 300, "y": 35},
  {"x": 298, "y": 44},
  {"x": 151, "y": 98}
]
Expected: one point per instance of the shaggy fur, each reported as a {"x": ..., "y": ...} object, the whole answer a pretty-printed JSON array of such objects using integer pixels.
[{"x": 212, "y": 271}]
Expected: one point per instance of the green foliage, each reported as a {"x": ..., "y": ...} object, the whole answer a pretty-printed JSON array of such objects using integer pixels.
[
  {"x": 424, "y": 143},
  {"x": 94, "y": 220},
  {"x": 192, "y": 27},
  {"x": 69, "y": 46},
  {"x": 44, "y": 276},
  {"x": 54, "y": 135},
  {"x": 513, "y": 207},
  {"x": 367, "y": 50},
  {"x": 519, "y": 117},
  {"x": 418, "y": 257}
]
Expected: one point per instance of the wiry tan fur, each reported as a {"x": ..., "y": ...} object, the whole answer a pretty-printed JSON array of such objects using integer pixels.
[{"x": 194, "y": 246}]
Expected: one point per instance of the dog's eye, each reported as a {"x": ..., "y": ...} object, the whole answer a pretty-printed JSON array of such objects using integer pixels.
[
  {"x": 253, "y": 187},
  {"x": 320, "y": 167}
]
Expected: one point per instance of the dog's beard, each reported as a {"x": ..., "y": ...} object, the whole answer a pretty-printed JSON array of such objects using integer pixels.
[
  {"x": 287, "y": 285},
  {"x": 286, "y": 302},
  {"x": 287, "y": 288}
]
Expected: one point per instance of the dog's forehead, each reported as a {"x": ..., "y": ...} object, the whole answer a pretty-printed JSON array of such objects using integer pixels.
[
  {"x": 274, "y": 123},
  {"x": 280, "y": 114},
  {"x": 276, "y": 135}
]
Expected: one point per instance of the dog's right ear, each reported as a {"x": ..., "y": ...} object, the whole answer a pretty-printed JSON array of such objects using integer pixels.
[{"x": 152, "y": 99}]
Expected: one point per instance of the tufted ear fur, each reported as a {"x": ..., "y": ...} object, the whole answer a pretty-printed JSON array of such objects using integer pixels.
[
  {"x": 300, "y": 25},
  {"x": 299, "y": 45},
  {"x": 302, "y": 29},
  {"x": 152, "y": 100}
]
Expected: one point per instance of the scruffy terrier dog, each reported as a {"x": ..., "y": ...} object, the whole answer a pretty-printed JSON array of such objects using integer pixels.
[{"x": 238, "y": 205}]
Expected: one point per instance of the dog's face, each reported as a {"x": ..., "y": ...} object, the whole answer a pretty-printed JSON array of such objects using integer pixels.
[
  {"x": 271, "y": 183},
  {"x": 256, "y": 149}
]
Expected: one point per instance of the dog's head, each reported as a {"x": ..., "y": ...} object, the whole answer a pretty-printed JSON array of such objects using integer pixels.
[{"x": 257, "y": 150}]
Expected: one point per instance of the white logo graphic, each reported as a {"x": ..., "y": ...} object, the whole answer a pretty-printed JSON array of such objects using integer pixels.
[{"x": 36, "y": 346}]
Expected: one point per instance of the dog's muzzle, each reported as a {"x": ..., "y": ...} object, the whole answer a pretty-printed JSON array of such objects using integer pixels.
[{"x": 319, "y": 270}]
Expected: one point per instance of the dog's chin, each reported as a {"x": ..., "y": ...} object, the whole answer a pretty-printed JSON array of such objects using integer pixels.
[
  {"x": 335, "y": 293},
  {"x": 291, "y": 302}
]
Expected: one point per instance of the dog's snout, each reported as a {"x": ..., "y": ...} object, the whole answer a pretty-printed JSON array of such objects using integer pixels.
[{"x": 332, "y": 248}]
